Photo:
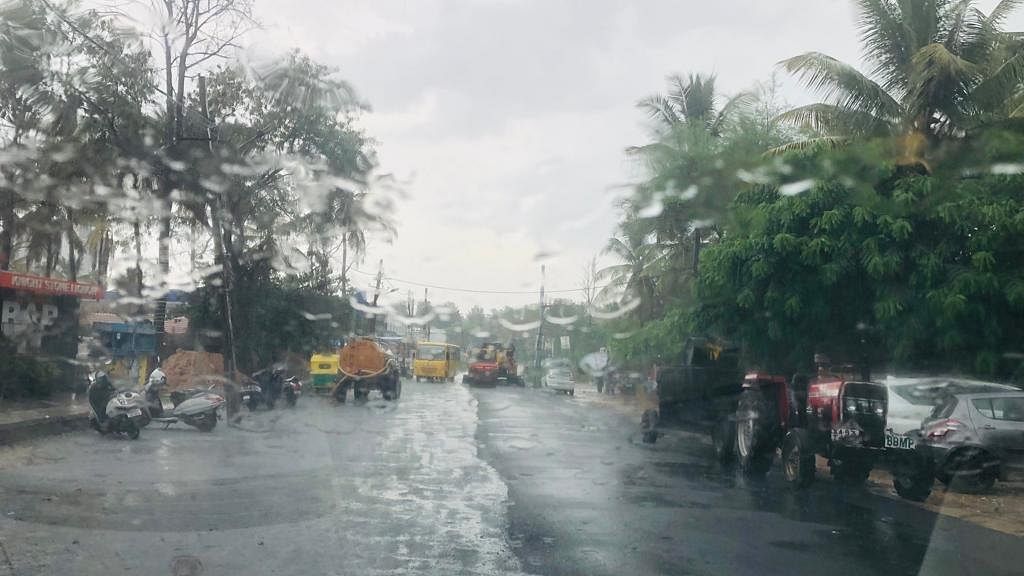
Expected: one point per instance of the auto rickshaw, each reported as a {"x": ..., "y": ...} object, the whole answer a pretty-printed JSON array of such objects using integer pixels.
[{"x": 323, "y": 371}]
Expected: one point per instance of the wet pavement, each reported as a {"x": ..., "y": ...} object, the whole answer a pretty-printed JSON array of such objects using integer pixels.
[{"x": 448, "y": 480}]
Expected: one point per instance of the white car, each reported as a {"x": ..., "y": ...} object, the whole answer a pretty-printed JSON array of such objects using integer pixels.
[
  {"x": 561, "y": 379},
  {"x": 911, "y": 400}
]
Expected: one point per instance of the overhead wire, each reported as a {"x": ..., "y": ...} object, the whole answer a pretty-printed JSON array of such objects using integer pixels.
[{"x": 477, "y": 291}]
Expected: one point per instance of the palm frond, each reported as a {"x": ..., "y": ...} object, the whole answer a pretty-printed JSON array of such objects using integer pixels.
[
  {"x": 660, "y": 108},
  {"x": 1005, "y": 79},
  {"x": 939, "y": 78},
  {"x": 810, "y": 145},
  {"x": 1002, "y": 10},
  {"x": 832, "y": 120},
  {"x": 841, "y": 83},
  {"x": 885, "y": 43},
  {"x": 731, "y": 107}
]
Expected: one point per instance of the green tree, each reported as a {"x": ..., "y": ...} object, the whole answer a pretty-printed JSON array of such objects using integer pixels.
[{"x": 939, "y": 68}]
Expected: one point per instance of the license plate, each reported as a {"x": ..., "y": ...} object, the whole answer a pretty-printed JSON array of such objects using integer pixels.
[
  {"x": 135, "y": 412},
  {"x": 899, "y": 441}
]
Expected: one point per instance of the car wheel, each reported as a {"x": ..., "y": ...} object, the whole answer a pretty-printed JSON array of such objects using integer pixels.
[{"x": 972, "y": 471}]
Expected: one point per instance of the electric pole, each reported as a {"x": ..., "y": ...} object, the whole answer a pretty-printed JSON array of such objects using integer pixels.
[
  {"x": 376, "y": 295},
  {"x": 540, "y": 328},
  {"x": 426, "y": 306}
]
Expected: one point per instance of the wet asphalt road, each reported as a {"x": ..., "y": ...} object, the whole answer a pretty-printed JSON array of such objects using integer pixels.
[{"x": 448, "y": 480}]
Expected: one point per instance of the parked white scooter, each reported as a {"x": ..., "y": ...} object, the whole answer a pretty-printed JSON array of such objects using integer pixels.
[
  {"x": 195, "y": 407},
  {"x": 114, "y": 411}
]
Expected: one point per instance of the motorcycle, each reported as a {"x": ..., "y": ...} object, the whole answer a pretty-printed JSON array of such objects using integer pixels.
[
  {"x": 252, "y": 396},
  {"x": 291, "y": 389},
  {"x": 114, "y": 411},
  {"x": 194, "y": 406},
  {"x": 268, "y": 388}
]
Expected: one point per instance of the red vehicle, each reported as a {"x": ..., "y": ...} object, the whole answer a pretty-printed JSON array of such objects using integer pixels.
[
  {"x": 836, "y": 415},
  {"x": 490, "y": 363}
]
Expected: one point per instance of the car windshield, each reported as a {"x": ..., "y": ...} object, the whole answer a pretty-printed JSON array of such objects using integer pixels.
[
  {"x": 511, "y": 287},
  {"x": 430, "y": 352},
  {"x": 932, "y": 393}
]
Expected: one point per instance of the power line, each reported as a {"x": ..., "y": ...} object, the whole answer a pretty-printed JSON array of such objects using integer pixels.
[{"x": 477, "y": 291}]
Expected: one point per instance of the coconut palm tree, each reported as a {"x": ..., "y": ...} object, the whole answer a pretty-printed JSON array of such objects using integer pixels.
[
  {"x": 938, "y": 69},
  {"x": 637, "y": 272}
]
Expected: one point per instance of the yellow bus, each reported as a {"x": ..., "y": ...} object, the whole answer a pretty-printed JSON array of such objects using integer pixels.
[{"x": 435, "y": 361}]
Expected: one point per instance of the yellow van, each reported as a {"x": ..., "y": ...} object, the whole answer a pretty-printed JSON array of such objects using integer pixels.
[{"x": 435, "y": 361}]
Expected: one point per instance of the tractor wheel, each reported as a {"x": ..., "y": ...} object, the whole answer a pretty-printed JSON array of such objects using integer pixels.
[
  {"x": 798, "y": 459},
  {"x": 132, "y": 430},
  {"x": 851, "y": 472},
  {"x": 723, "y": 438},
  {"x": 252, "y": 404},
  {"x": 972, "y": 471},
  {"x": 752, "y": 445},
  {"x": 913, "y": 477}
]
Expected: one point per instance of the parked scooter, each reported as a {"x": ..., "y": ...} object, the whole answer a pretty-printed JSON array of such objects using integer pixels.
[
  {"x": 268, "y": 388},
  {"x": 291, "y": 389},
  {"x": 195, "y": 407},
  {"x": 113, "y": 411}
]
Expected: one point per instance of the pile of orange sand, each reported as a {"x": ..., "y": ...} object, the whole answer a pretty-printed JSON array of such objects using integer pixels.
[{"x": 187, "y": 368}]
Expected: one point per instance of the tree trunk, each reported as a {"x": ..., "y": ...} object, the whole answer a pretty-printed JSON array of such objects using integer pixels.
[
  {"x": 160, "y": 314},
  {"x": 7, "y": 220}
]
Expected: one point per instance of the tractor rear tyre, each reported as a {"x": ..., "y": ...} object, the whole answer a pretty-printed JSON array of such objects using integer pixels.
[
  {"x": 752, "y": 443},
  {"x": 913, "y": 477},
  {"x": 798, "y": 459},
  {"x": 723, "y": 439}
]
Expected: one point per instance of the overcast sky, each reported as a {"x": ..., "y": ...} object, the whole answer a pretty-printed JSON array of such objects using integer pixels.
[{"x": 506, "y": 120}]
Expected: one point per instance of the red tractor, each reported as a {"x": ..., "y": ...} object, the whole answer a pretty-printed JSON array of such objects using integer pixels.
[
  {"x": 490, "y": 363},
  {"x": 837, "y": 415}
]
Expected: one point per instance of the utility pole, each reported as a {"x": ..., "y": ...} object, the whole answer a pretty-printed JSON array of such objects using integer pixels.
[
  {"x": 426, "y": 306},
  {"x": 376, "y": 296},
  {"x": 540, "y": 328},
  {"x": 226, "y": 273}
]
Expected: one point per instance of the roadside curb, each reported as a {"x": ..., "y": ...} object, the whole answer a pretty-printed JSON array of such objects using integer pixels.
[{"x": 20, "y": 431}]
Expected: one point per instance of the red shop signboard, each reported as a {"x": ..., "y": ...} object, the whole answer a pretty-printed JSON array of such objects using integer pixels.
[{"x": 50, "y": 286}]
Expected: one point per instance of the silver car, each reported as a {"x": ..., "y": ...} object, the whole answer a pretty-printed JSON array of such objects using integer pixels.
[
  {"x": 560, "y": 379},
  {"x": 974, "y": 439}
]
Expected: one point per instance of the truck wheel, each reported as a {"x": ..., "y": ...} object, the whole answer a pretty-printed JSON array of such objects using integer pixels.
[
  {"x": 851, "y": 472},
  {"x": 798, "y": 459},
  {"x": 340, "y": 393},
  {"x": 752, "y": 447},
  {"x": 723, "y": 438},
  {"x": 913, "y": 477}
]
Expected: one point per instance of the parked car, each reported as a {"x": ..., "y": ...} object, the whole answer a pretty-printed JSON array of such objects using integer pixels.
[
  {"x": 975, "y": 439},
  {"x": 912, "y": 400},
  {"x": 561, "y": 379}
]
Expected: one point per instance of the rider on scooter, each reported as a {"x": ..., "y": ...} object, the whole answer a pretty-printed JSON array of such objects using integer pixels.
[{"x": 100, "y": 391}]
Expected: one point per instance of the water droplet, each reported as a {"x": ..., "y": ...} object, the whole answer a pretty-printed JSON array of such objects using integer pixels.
[{"x": 794, "y": 188}]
